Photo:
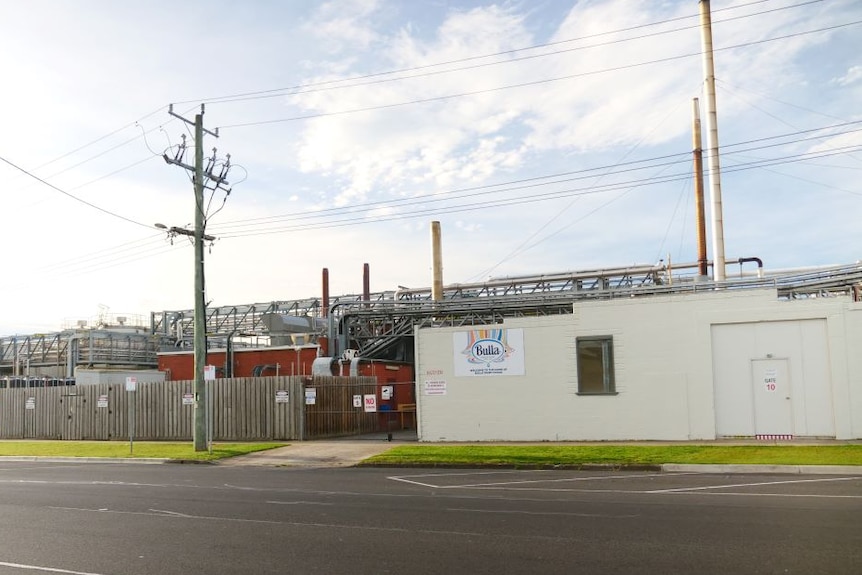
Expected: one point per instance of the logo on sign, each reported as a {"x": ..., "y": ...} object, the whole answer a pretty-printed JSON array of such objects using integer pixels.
[{"x": 486, "y": 347}]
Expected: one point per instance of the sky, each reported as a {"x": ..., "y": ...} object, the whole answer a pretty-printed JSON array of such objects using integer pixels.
[{"x": 544, "y": 135}]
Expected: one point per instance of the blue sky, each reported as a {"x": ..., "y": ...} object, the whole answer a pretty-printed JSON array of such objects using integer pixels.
[{"x": 544, "y": 136}]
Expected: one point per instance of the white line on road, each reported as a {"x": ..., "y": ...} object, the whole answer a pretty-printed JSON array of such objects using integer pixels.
[
  {"x": 757, "y": 484},
  {"x": 45, "y": 569},
  {"x": 550, "y": 513},
  {"x": 299, "y": 503}
]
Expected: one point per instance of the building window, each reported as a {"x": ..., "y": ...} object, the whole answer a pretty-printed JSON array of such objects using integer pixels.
[{"x": 596, "y": 365}]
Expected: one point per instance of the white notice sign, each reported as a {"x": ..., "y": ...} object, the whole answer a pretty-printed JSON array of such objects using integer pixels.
[
  {"x": 357, "y": 401},
  {"x": 131, "y": 383},
  {"x": 370, "y": 403},
  {"x": 282, "y": 396},
  {"x": 102, "y": 401},
  {"x": 436, "y": 387},
  {"x": 310, "y": 396},
  {"x": 188, "y": 399},
  {"x": 209, "y": 372},
  {"x": 386, "y": 392},
  {"x": 30, "y": 403}
]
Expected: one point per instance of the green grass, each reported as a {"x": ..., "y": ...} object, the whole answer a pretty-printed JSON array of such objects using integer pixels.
[
  {"x": 142, "y": 449},
  {"x": 545, "y": 455}
]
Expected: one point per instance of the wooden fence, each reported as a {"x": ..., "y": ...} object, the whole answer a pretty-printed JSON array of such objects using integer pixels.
[{"x": 242, "y": 409}]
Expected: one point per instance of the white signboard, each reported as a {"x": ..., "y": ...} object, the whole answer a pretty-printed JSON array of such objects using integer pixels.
[
  {"x": 30, "y": 403},
  {"x": 188, "y": 399},
  {"x": 489, "y": 352},
  {"x": 209, "y": 372},
  {"x": 357, "y": 401},
  {"x": 437, "y": 387},
  {"x": 102, "y": 401},
  {"x": 386, "y": 392},
  {"x": 282, "y": 396},
  {"x": 369, "y": 402},
  {"x": 131, "y": 383},
  {"x": 310, "y": 396}
]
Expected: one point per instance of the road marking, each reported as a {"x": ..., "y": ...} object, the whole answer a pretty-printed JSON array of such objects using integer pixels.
[
  {"x": 565, "y": 479},
  {"x": 410, "y": 479},
  {"x": 299, "y": 503},
  {"x": 303, "y": 524},
  {"x": 45, "y": 569},
  {"x": 165, "y": 512},
  {"x": 757, "y": 484},
  {"x": 549, "y": 513}
]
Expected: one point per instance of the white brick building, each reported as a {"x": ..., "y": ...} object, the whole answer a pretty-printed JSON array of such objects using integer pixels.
[{"x": 715, "y": 364}]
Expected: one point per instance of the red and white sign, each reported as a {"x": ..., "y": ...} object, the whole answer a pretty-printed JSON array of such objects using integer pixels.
[
  {"x": 369, "y": 402},
  {"x": 131, "y": 383}
]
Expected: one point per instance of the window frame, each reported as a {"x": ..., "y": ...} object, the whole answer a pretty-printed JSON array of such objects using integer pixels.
[{"x": 609, "y": 386}]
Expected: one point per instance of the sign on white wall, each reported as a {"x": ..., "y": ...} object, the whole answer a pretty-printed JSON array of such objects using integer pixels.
[
  {"x": 482, "y": 352},
  {"x": 437, "y": 387}
]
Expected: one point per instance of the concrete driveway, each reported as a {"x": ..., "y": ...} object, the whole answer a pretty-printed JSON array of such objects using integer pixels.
[{"x": 318, "y": 453}]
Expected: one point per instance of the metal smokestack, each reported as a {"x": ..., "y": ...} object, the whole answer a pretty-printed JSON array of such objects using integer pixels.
[
  {"x": 700, "y": 213},
  {"x": 366, "y": 283},
  {"x": 712, "y": 144},
  {"x": 325, "y": 282},
  {"x": 437, "y": 262}
]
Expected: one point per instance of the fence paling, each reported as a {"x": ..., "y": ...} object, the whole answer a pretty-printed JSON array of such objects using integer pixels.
[{"x": 244, "y": 409}]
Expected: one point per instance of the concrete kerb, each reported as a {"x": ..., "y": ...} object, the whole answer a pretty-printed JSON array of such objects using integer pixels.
[{"x": 49, "y": 459}]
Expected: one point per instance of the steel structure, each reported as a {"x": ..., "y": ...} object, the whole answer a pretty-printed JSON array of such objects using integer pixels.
[
  {"x": 381, "y": 325},
  {"x": 57, "y": 354}
]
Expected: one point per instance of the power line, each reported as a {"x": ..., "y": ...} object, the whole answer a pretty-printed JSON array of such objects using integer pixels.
[
  {"x": 532, "y": 83},
  {"x": 76, "y": 198},
  {"x": 549, "y": 179},
  {"x": 328, "y": 84}
]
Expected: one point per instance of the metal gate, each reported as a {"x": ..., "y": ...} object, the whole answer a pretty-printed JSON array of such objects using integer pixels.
[{"x": 342, "y": 406}]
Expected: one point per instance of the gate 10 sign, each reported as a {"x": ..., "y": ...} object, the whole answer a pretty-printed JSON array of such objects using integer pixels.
[{"x": 369, "y": 402}]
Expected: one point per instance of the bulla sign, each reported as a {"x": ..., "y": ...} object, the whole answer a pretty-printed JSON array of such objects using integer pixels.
[{"x": 485, "y": 352}]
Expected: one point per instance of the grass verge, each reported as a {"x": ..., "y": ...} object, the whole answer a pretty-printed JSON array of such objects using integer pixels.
[
  {"x": 141, "y": 449},
  {"x": 546, "y": 455}
]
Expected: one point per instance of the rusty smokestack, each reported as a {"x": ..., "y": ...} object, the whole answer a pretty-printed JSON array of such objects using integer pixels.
[
  {"x": 325, "y": 282},
  {"x": 366, "y": 283},
  {"x": 700, "y": 214}
]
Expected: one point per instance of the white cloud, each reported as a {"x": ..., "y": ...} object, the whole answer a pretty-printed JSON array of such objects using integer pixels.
[
  {"x": 853, "y": 75},
  {"x": 344, "y": 24}
]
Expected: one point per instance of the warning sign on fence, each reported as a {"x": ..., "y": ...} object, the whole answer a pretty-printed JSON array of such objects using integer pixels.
[
  {"x": 102, "y": 401},
  {"x": 282, "y": 396},
  {"x": 370, "y": 403}
]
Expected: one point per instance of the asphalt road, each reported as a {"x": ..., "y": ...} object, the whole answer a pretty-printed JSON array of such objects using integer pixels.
[{"x": 126, "y": 519}]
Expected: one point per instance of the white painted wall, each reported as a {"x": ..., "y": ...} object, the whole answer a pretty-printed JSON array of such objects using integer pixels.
[{"x": 663, "y": 352}]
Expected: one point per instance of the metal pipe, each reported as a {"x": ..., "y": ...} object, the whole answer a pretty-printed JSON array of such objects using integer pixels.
[{"x": 759, "y": 265}]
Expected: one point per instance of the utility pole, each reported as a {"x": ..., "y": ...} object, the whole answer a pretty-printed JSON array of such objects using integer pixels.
[{"x": 219, "y": 181}]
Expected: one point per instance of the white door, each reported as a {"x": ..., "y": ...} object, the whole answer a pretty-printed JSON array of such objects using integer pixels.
[{"x": 772, "y": 404}]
